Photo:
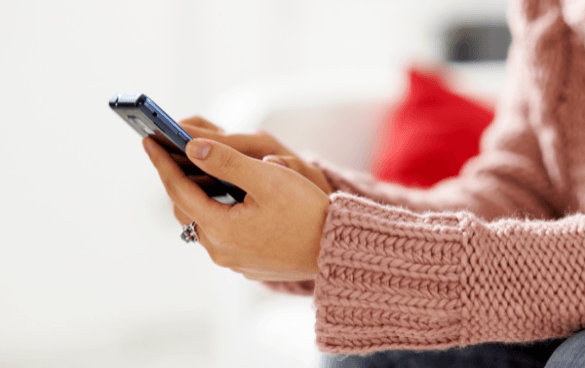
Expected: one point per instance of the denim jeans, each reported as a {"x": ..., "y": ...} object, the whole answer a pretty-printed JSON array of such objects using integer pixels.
[
  {"x": 571, "y": 353},
  {"x": 568, "y": 353}
]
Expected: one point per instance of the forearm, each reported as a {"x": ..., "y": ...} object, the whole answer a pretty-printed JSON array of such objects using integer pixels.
[
  {"x": 518, "y": 173},
  {"x": 393, "y": 279}
]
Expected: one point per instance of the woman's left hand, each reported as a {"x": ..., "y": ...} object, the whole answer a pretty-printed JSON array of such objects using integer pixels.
[{"x": 274, "y": 235}]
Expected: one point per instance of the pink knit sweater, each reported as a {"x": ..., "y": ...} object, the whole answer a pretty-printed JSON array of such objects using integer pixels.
[{"x": 496, "y": 254}]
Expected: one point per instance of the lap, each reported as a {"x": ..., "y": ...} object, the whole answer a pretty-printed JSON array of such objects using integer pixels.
[
  {"x": 485, "y": 355},
  {"x": 571, "y": 353}
]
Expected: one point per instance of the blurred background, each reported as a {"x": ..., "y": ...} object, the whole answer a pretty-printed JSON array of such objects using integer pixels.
[{"x": 92, "y": 270}]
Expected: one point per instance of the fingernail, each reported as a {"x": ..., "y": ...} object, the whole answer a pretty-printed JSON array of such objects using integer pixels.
[
  {"x": 274, "y": 159},
  {"x": 198, "y": 148}
]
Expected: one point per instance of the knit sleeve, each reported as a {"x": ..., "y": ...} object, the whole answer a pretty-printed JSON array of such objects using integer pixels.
[
  {"x": 510, "y": 177},
  {"x": 393, "y": 279},
  {"x": 523, "y": 169}
]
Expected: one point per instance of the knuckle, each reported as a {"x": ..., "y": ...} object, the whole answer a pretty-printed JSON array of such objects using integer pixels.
[
  {"x": 226, "y": 161},
  {"x": 314, "y": 169},
  {"x": 274, "y": 184},
  {"x": 275, "y": 159},
  {"x": 293, "y": 163}
]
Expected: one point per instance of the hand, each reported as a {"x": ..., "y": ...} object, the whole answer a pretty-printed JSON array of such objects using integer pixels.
[
  {"x": 260, "y": 145},
  {"x": 274, "y": 234}
]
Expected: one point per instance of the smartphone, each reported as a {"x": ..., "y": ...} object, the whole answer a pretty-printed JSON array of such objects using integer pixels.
[{"x": 149, "y": 120}]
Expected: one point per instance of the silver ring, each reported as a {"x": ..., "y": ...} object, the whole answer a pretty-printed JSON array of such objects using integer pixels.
[{"x": 189, "y": 233}]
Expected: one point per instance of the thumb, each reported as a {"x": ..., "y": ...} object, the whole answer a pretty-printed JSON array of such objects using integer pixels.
[
  {"x": 225, "y": 163},
  {"x": 291, "y": 162},
  {"x": 274, "y": 159}
]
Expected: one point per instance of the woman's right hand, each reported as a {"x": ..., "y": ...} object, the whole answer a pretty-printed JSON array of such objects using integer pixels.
[{"x": 259, "y": 145}]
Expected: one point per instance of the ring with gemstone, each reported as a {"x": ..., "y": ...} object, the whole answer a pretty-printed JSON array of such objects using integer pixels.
[{"x": 189, "y": 233}]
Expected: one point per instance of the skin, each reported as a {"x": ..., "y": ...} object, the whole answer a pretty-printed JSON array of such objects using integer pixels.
[{"x": 275, "y": 234}]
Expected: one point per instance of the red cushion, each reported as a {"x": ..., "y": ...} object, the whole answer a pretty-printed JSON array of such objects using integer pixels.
[{"x": 429, "y": 135}]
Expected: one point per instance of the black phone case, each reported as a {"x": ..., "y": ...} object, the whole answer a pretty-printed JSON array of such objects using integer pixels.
[{"x": 142, "y": 114}]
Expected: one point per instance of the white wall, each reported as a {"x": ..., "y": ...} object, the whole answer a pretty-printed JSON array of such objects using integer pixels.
[{"x": 91, "y": 265}]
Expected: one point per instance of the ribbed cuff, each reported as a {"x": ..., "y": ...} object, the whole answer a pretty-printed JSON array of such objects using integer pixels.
[{"x": 389, "y": 278}]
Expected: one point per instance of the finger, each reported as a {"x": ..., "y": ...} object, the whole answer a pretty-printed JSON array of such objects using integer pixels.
[
  {"x": 253, "y": 145},
  {"x": 310, "y": 172},
  {"x": 222, "y": 259},
  {"x": 256, "y": 145},
  {"x": 202, "y": 180},
  {"x": 203, "y": 240},
  {"x": 224, "y": 162},
  {"x": 181, "y": 159},
  {"x": 188, "y": 167},
  {"x": 191, "y": 199},
  {"x": 181, "y": 216},
  {"x": 166, "y": 143},
  {"x": 197, "y": 121},
  {"x": 274, "y": 159},
  {"x": 202, "y": 237},
  {"x": 289, "y": 161}
]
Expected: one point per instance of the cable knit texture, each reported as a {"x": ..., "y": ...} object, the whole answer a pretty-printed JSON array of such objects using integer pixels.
[
  {"x": 394, "y": 279},
  {"x": 496, "y": 254},
  {"x": 492, "y": 255}
]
